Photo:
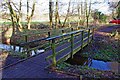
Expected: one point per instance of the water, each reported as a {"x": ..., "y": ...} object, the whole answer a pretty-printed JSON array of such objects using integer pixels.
[
  {"x": 101, "y": 65},
  {"x": 109, "y": 66},
  {"x": 97, "y": 64},
  {"x": 10, "y": 47},
  {"x": 37, "y": 52}
]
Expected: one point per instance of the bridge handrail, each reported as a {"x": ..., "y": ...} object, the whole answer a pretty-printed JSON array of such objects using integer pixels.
[
  {"x": 26, "y": 43},
  {"x": 66, "y": 34}
]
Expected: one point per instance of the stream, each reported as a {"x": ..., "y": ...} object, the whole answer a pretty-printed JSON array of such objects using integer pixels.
[
  {"x": 6, "y": 59},
  {"x": 96, "y": 64},
  {"x": 10, "y": 47}
]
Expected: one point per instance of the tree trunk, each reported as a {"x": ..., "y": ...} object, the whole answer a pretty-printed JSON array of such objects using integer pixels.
[
  {"x": 59, "y": 18},
  {"x": 79, "y": 16},
  {"x": 67, "y": 14},
  {"x": 28, "y": 22},
  {"x": 12, "y": 18},
  {"x": 51, "y": 13},
  {"x": 118, "y": 10},
  {"x": 56, "y": 15},
  {"x": 29, "y": 17},
  {"x": 87, "y": 10},
  {"x": 17, "y": 16}
]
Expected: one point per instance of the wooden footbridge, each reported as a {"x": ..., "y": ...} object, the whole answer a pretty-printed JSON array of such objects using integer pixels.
[{"x": 57, "y": 48}]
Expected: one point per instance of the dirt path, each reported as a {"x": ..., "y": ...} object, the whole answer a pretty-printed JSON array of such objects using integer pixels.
[{"x": 106, "y": 32}]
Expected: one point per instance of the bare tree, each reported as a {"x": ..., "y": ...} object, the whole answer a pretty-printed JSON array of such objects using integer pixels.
[
  {"x": 12, "y": 16},
  {"x": 87, "y": 10},
  {"x": 82, "y": 10},
  {"x": 79, "y": 18},
  {"x": 113, "y": 7},
  {"x": 118, "y": 10},
  {"x": 15, "y": 14},
  {"x": 56, "y": 15},
  {"x": 29, "y": 17},
  {"x": 51, "y": 13},
  {"x": 80, "y": 13},
  {"x": 67, "y": 15}
]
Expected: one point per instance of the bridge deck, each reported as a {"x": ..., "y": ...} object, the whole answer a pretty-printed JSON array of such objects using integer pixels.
[{"x": 31, "y": 68}]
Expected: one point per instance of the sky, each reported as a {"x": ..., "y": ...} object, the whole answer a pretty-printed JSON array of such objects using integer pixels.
[
  {"x": 42, "y": 6},
  {"x": 102, "y": 6}
]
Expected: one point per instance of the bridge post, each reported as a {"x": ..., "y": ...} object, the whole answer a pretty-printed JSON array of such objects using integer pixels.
[
  {"x": 82, "y": 36},
  {"x": 63, "y": 31},
  {"x": 49, "y": 37},
  {"x": 72, "y": 43},
  {"x": 53, "y": 53},
  {"x": 88, "y": 36},
  {"x": 63, "y": 36}
]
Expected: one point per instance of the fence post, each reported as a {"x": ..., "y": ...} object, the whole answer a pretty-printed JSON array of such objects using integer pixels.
[
  {"x": 82, "y": 35},
  {"x": 88, "y": 36},
  {"x": 48, "y": 34},
  {"x": 28, "y": 52},
  {"x": 72, "y": 29},
  {"x": 63, "y": 31},
  {"x": 14, "y": 47},
  {"x": 92, "y": 33},
  {"x": 53, "y": 53},
  {"x": 25, "y": 38},
  {"x": 19, "y": 48}
]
